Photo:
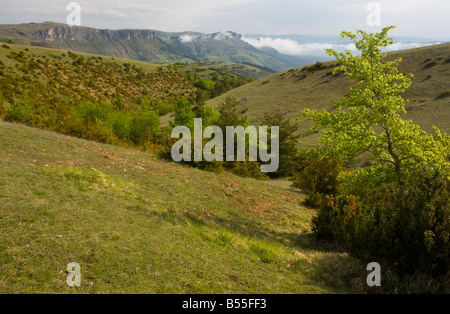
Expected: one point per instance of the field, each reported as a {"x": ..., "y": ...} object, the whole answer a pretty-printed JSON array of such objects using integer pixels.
[{"x": 137, "y": 224}]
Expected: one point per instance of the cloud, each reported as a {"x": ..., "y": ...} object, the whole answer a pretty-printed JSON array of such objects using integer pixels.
[
  {"x": 403, "y": 46},
  {"x": 184, "y": 39},
  {"x": 291, "y": 47},
  {"x": 117, "y": 14}
]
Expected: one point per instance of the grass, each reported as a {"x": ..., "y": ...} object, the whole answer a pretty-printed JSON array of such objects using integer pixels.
[
  {"x": 208, "y": 69},
  {"x": 137, "y": 224}
]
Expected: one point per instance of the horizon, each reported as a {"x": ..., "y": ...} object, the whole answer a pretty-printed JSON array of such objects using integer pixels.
[
  {"x": 230, "y": 30},
  {"x": 282, "y": 17}
]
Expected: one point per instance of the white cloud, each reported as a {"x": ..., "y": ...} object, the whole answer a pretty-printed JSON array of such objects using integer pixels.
[
  {"x": 186, "y": 39},
  {"x": 403, "y": 46},
  {"x": 290, "y": 47}
]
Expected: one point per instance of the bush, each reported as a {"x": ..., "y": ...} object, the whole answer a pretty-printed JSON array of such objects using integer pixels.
[
  {"x": 247, "y": 169},
  {"x": 318, "y": 178},
  {"x": 443, "y": 95},
  {"x": 145, "y": 126},
  {"x": 163, "y": 108},
  {"x": 430, "y": 64},
  {"x": 91, "y": 113},
  {"x": 121, "y": 125},
  {"x": 20, "y": 111},
  {"x": 406, "y": 227}
]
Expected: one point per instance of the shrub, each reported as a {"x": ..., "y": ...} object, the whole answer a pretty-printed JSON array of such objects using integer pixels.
[
  {"x": 145, "y": 126},
  {"x": 443, "y": 95},
  {"x": 430, "y": 64},
  {"x": 121, "y": 125},
  {"x": 247, "y": 169},
  {"x": 315, "y": 67},
  {"x": 163, "y": 108},
  {"x": 20, "y": 111},
  {"x": 91, "y": 113},
  {"x": 404, "y": 226},
  {"x": 408, "y": 226},
  {"x": 318, "y": 178}
]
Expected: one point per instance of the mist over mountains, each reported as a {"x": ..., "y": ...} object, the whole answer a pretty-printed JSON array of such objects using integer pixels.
[{"x": 280, "y": 52}]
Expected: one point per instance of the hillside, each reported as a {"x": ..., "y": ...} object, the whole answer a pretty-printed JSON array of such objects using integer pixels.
[
  {"x": 61, "y": 79},
  {"x": 208, "y": 70},
  {"x": 137, "y": 224},
  {"x": 315, "y": 87},
  {"x": 143, "y": 45}
]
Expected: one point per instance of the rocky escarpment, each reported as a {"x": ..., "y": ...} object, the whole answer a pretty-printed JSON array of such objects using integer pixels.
[{"x": 75, "y": 33}]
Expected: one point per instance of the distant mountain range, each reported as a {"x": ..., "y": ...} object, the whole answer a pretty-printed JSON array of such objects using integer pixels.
[
  {"x": 280, "y": 52},
  {"x": 151, "y": 45}
]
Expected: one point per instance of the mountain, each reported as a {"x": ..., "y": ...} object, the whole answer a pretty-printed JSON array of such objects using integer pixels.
[
  {"x": 315, "y": 87},
  {"x": 144, "y": 45}
]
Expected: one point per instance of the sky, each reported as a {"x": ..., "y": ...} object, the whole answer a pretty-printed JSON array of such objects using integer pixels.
[{"x": 423, "y": 18}]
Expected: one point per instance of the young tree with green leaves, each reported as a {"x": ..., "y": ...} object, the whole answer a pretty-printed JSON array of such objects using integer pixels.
[{"x": 368, "y": 119}]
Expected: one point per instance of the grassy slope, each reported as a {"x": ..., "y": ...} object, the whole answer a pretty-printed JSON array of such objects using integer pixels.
[
  {"x": 49, "y": 74},
  {"x": 207, "y": 69},
  {"x": 293, "y": 93},
  {"x": 51, "y": 53},
  {"x": 137, "y": 224}
]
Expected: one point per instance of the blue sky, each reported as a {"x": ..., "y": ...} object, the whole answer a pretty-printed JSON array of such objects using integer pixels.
[{"x": 273, "y": 17}]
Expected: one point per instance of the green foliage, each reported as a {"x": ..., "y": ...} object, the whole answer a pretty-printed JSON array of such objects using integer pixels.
[
  {"x": 288, "y": 140},
  {"x": 407, "y": 227},
  {"x": 99, "y": 122},
  {"x": 163, "y": 107},
  {"x": 20, "y": 111},
  {"x": 319, "y": 179},
  {"x": 396, "y": 210},
  {"x": 93, "y": 113},
  {"x": 121, "y": 124},
  {"x": 368, "y": 118},
  {"x": 145, "y": 126},
  {"x": 184, "y": 115},
  {"x": 230, "y": 114},
  {"x": 247, "y": 169}
]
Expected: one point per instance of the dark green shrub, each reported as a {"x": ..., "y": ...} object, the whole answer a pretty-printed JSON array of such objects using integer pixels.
[
  {"x": 246, "y": 169},
  {"x": 408, "y": 226},
  {"x": 443, "y": 95},
  {"x": 318, "y": 178},
  {"x": 430, "y": 64},
  {"x": 404, "y": 226},
  {"x": 328, "y": 223}
]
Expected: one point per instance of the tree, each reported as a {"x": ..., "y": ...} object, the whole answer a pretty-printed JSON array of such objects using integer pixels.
[
  {"x": 183, "y": 114},
  {"x": 368, "y": 118},
  {"x": 230, "y": 115},
  {"x": 288, "y": 138}
]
